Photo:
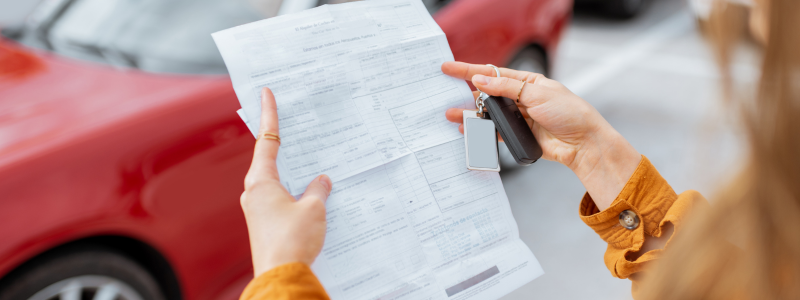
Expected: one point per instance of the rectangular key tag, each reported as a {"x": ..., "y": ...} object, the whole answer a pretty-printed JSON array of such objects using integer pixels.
[{"x": 480, "y": 139}]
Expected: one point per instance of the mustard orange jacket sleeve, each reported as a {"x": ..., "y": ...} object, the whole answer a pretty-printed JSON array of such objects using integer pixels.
[
  {"x": 649, "y": 196},
  {"x": 286, "y": 282}
]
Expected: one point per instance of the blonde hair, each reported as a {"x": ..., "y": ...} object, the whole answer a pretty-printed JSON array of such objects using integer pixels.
[{"x": 747, "y": 246}]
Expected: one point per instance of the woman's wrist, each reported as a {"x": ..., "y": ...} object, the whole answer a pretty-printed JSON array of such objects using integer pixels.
[{"x": 604, "y": 164}]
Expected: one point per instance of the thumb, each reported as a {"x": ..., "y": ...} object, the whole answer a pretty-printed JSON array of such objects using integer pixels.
[
  {"x": 318, "y": 189},
  {"x": 498, "y": 86}
]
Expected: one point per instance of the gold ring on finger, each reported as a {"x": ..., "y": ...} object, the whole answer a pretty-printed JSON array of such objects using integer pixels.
[
  {"x": 520, "y": 89},
  {"x": 271, "y": 136}
]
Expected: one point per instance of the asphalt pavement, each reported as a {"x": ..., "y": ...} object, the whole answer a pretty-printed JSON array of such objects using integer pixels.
[{"x": 655, "y": 80}]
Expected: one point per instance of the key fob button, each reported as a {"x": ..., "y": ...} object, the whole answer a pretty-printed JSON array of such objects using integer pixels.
[{"x": 511, "y": 125}]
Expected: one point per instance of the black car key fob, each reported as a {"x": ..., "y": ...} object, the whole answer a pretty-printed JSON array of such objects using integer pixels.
[{"x": 515, "y": 131}]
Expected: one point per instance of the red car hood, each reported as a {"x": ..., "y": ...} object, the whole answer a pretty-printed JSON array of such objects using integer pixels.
[{"x": 46, "y": 100}]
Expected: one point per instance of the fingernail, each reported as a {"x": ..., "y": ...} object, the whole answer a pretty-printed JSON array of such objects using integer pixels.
[
  {"x": 325, "y": 181},
  {"x": 480, "y": 79}
]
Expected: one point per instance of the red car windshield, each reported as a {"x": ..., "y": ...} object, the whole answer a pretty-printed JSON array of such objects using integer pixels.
[{"x": 160, "y": 36}]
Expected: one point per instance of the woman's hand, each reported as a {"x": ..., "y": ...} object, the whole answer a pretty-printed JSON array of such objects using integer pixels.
[
  {"x": 569, "y": 130},
  {"x": 281, "y": 229}
]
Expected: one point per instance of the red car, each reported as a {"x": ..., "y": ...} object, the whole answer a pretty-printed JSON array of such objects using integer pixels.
[{"x": 122, "y": 157}]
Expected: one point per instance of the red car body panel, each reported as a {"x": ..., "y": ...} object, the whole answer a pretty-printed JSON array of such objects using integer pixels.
[
  {"x": 156, "y": 158},
  {"x": 89, "y": 150},
  {"x": 492, "y": 32}
]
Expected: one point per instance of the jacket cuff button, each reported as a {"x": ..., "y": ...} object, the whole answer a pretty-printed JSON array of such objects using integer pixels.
[{"x": 629, "y": 219}]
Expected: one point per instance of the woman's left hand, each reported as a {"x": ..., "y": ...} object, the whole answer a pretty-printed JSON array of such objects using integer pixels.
[
  {"x": 281, "y": 229},
  {"x": 568, "y": 128}
]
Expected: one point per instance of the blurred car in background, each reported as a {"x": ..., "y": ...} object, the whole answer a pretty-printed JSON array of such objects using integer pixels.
[
  {"x": 621, "y": 9},
  {"x": 122, "y": 157}
]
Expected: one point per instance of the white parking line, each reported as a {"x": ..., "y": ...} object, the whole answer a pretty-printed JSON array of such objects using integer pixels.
[{"x": 591, "y": 77}]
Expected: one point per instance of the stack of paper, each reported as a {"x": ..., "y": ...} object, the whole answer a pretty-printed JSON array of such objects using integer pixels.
[{"x": 361, "y": 97}]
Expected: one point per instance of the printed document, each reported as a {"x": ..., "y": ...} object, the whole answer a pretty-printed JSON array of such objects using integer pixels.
[{"x": 361, "y": 97}]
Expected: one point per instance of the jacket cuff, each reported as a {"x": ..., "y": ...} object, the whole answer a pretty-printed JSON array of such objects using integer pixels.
[
  {"x": 647, "y": 194},
  {"x": 288, "y": 281}
]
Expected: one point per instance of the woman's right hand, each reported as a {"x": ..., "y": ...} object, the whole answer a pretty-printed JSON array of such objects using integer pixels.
[
  {"x": 282, "y": 230},
  {"x": 569, "y": 130}
]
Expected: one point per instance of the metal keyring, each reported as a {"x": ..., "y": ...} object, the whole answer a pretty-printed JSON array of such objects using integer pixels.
[
  {"x": 483, "y": 96},
  {"x": 479, "y": 103},
  {"x": 496, "y": 70}
]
